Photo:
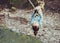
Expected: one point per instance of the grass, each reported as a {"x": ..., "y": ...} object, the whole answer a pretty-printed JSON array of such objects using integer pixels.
[{"x": 8, "y": 36}]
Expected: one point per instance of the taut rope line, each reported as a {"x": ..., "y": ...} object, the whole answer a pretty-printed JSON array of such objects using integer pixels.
[{"x": 31, "y": 3}]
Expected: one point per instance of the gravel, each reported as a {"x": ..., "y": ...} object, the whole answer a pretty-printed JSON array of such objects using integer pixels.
[{"x": 48, "y": 32}]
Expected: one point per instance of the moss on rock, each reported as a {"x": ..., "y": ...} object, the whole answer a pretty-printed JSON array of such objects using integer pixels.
[{"x": 8, "y": 36}]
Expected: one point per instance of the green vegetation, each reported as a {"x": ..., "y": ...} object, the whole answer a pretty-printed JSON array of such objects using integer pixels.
[{"x": 8, "y": 36}]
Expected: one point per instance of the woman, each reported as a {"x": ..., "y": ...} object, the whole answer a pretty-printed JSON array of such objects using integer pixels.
[{"x": 37, "y": 18}]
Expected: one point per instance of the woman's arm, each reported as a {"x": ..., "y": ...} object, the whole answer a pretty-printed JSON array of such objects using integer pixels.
[
  {"x": 41, "y": 16},
  {"x": 32, "y": 18}
]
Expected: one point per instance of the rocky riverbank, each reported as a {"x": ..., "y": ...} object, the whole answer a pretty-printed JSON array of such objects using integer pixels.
[{"x": 18, "y": 21}]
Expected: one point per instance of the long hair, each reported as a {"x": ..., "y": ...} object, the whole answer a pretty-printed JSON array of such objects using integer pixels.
[{"x": 35, "y": 29}]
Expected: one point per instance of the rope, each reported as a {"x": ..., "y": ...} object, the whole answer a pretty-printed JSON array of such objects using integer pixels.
[{"x": 31, "y": 3}]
